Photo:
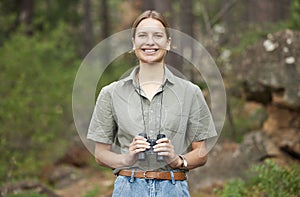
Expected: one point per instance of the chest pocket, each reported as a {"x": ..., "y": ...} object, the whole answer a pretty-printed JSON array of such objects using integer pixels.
[{"x": 174, "y": 121}]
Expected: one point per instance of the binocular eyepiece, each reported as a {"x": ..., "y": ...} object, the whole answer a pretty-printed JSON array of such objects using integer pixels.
[{"x": 152, "y": 142}]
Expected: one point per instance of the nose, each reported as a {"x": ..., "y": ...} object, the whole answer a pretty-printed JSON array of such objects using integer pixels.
[{"x": 150, "y": 40}]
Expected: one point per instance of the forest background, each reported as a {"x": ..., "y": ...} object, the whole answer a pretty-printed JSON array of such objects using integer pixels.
[{"x": 42, "y": 44}]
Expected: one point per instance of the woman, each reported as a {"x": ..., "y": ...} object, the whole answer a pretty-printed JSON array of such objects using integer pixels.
[{"x": 151, "y": 126}]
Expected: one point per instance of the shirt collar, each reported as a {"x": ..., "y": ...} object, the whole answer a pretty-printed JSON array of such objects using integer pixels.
[{"x": 169, "y": 76}]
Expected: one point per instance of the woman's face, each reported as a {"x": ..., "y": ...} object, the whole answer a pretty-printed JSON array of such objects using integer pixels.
[{"x": 150, "y": 41}]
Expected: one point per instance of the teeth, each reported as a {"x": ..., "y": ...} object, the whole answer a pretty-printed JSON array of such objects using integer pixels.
[{"x": 149, "y": 50}]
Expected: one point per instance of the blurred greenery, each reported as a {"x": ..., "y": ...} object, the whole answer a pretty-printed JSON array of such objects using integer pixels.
[
  {"x": 36, "y": 79},
  {"x": 295, "y": 15},
  {"x": 38, "y": 71},
  {"x": 93, "y": 193},
  {"x": 267, "y": 179},
  {"x": 117, "y": 69},
  {"x": 245, "y": 120}
]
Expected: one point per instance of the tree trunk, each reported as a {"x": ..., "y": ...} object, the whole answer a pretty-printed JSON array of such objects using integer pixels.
[
  {"x": 186, "y": 26},
  {"x": 105, "y": 27},
  {"x": 26, "y": 15},
  {"x": 147, "y": 5},
  {"x": 88, "y": 27},
  {"x": 165, "y": 7},
  {"x": 186, "y": 17}
]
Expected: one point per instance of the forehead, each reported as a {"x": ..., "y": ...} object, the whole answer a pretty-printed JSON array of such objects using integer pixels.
[{"x": 150, "y": 24}]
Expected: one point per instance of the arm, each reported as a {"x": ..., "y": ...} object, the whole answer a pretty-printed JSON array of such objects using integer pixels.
[
  {"x": 104, "y": 155},
  {"x": 196, "y": 157}
]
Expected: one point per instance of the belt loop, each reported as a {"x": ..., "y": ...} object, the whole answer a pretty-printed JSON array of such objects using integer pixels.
[
  {"x": 172, "y": 177},
  {"x": 131, "y": 180}
]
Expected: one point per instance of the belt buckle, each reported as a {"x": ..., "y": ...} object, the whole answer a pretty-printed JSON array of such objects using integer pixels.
[{"x": 145, "y": 175}]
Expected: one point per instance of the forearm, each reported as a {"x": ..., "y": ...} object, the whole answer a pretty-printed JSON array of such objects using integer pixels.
[
  {"x": 110, "y": 159},
  {"x": 195, "y": 158},
  {"x": 105, "y": 157}
]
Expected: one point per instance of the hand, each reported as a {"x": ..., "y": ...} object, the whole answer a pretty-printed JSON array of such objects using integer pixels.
[
  {"x": 138, "y": 144},
  {"x": 165, "y": 148}
]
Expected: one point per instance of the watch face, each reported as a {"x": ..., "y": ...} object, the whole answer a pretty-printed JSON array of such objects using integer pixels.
[{"x": 184, "y": 163}]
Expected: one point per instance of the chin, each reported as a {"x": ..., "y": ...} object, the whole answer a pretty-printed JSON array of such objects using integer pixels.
[{"x": 151, "y": 60}]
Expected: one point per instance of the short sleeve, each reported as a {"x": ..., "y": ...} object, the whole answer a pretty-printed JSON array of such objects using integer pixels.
[
  {"x": 102, "y": 127},
  {"x": 200, "y": 123}
]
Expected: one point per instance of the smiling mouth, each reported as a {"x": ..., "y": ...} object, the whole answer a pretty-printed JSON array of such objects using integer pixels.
[{"x": 150, "y": 50}]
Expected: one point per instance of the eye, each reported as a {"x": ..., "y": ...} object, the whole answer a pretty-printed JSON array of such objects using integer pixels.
[
  {"x": 158, "y": 35},
  {"x": 141, "y": 35}
]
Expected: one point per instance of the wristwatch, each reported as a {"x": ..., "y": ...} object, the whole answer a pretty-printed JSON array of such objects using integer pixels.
[{"x": 184, "y": 161}]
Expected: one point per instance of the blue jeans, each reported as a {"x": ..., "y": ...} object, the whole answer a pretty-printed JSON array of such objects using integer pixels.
[{"x": 131, "y": 187}]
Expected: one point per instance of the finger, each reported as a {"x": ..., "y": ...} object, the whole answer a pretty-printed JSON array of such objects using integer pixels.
[
  {"x": 139, "y": 144},
  {"x": 139, "y": 141},
  {"x": 164, "y": 145},
  {"x": 137, "y": 149},
  {"x": 163, "y": 140},
  {"x": 166, "y": 148},
  {"x": 166, "y": 154},
  {"x": 139, "y": 138}
]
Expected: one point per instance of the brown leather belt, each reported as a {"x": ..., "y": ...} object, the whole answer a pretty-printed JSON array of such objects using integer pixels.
[{"x": 178, "y": 176}]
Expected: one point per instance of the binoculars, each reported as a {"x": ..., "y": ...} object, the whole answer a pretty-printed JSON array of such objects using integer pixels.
[{"x": 142, "y": 155}]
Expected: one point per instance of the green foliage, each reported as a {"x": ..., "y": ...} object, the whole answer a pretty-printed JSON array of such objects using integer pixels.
[
  {"x": 36, "y": 80},
  {"x": 269, "y": 180},
  {"x": 47, "y": 15},
  {"x": 118, "y": 69},
  {"x": 277, "y": 181},
  {"x": 93, "y": 193},
  {"x": 243, "y": 120},
  {"x": 295, "y": 15},
  {"x": 248, "y": 38},
  {"x": 7, "y": 19},
  {"x": 234, "y": 188},
  {"x": 50, "y": 13}
]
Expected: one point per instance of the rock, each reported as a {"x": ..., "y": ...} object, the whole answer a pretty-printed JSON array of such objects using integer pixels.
[
  {"x": 283, "y": 128},
  {"x": 64, "y": 175},
  {"x": 270, "y": 70},
  {"x": 231, "y": 160},
  {"x": 76, "y": 154},
  {"x": 217, "y": 169},
  {"x": 255, "y": 148}
]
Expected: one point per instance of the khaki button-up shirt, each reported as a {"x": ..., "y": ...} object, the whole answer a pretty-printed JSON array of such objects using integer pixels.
[{"x": 177, "y": 110}]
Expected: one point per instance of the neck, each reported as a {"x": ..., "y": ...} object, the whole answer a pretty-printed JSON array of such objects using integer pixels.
[{"x": 151, "y": 72}]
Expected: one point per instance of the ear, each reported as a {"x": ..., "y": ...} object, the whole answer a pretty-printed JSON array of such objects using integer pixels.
[
  {"x": 168, "y": 44},
  {"x": 133, "y": 43}
]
